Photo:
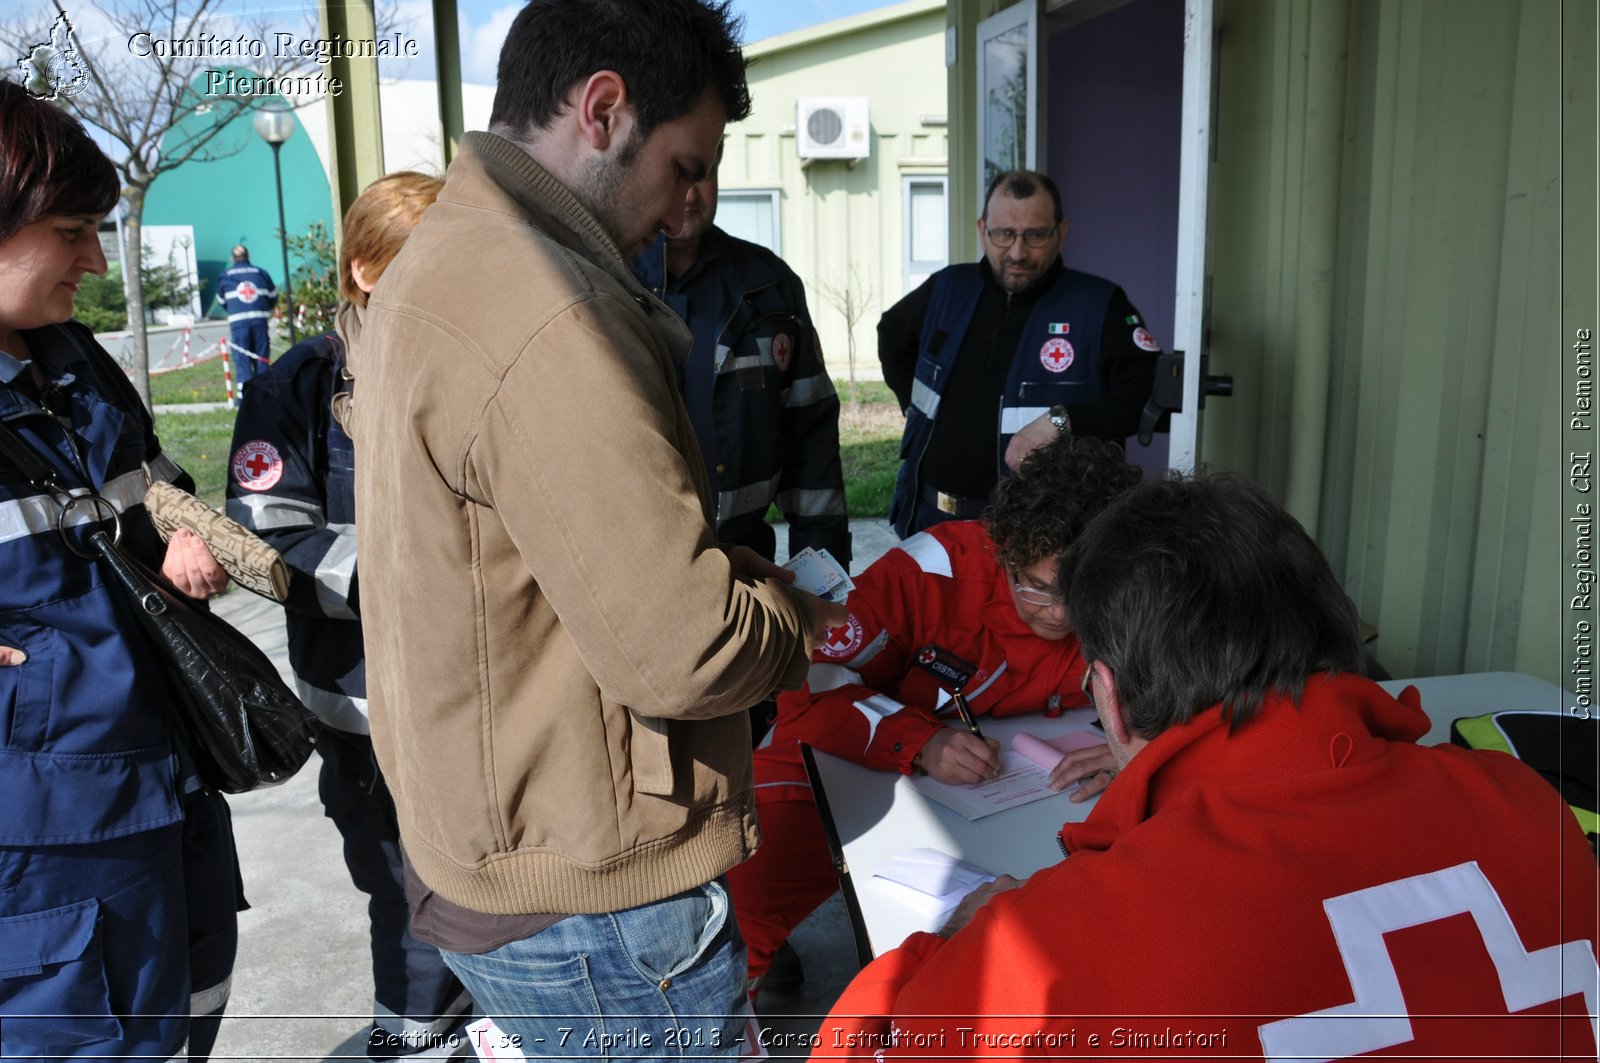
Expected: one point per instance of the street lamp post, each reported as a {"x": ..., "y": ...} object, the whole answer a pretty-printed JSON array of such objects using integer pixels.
[{"x": 274, "y": 126}]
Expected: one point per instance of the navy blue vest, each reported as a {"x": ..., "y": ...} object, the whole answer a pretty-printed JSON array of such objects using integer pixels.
[{"x": 1057, "y": 362}]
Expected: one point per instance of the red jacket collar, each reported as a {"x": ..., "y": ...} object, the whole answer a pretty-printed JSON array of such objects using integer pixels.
[{"x": 1342, "y": 719}]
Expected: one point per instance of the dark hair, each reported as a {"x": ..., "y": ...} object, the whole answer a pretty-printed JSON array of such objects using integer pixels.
[
  {"x": 48, "y": 164},
  {"x": 1022, "y": 184},
  {"x": 1201, "y": 590},
  {"x": 668, "y": 52},
  {"x": 1061, "y": 486}
]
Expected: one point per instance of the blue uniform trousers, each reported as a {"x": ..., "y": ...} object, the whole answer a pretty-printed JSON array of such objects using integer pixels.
[
  {"x": 417, "y": 1001},
  {"x": 253, "y": 337},
  {"x": 110, "y": 945}
]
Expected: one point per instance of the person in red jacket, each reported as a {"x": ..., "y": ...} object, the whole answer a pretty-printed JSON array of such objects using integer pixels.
[
  {"x": 1279, "y": 871},
  {"x": 966, "y": 605}
]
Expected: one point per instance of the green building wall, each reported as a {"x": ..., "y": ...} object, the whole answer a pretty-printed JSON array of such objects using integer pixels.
[
  {"x": 232, "y": 198},
  {"x": 1385, "y": 219}
]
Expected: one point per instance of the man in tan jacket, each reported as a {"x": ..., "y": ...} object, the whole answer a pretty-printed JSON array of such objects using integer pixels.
[{"x": 559, "y": 655}]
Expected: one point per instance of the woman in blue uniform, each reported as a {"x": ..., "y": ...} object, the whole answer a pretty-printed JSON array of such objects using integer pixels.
[{"x": 117, "y": 873}]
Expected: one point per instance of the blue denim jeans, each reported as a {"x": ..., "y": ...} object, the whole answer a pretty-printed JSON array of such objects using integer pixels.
[{"x": 661, "y": 981}]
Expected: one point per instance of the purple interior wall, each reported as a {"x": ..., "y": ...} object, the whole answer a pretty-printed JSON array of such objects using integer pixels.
[{"x": 1114, "y": 91}]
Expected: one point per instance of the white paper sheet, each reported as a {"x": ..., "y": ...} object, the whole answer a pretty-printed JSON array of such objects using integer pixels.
[{"x": 928, "y": 881}]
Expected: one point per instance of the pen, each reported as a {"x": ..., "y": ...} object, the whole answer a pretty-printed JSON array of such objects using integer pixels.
[{"x": 966, "y": 713}]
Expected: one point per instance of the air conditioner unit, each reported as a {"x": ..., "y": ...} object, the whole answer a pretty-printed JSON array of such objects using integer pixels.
[{"x": 833, "y": 127}]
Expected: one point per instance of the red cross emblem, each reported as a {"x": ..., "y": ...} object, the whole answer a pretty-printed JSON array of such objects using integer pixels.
[
  {"x": 246, "y": 292},
  {"x": 842, "y": 642},
  {"x": 1056, "y": 354},
  {"x": 257, "y": 466},
  {"x": 782, "y": 348}
]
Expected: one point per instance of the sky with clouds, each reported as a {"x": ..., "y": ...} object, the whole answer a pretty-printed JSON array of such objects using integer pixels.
[{"x": 484, "y": 24}]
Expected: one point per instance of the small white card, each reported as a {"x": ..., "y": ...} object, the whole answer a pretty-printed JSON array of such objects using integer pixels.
[
  {"x": 928, "y": 881},
  {"x": 816, "y": 572}
]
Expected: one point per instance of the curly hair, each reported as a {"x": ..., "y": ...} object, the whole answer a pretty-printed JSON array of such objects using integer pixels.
[{"x": 1061, "y": 486}]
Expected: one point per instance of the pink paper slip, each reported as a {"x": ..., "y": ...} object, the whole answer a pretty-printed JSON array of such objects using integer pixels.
[{"x": 1047, "y": 752}]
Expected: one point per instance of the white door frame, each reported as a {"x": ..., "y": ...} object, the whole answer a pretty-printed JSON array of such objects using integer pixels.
[{"x": 1189, "y": 322}]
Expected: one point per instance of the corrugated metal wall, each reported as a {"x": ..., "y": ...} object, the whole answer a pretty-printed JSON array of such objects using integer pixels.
[{"x": 1385, "y": 227}]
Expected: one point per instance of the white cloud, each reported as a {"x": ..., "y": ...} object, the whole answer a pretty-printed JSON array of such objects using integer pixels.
[{"x": 480, "y": 45}]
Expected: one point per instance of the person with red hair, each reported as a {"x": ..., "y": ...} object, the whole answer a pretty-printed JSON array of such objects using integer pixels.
[{"x": 292, "y": 480}]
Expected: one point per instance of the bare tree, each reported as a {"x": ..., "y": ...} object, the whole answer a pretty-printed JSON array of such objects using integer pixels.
[
  {"x": 142, "y": 59},
  {"x": 852, "y": 297}
]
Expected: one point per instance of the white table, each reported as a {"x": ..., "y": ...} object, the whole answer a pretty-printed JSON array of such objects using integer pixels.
[{"x": 878, "y": 815}]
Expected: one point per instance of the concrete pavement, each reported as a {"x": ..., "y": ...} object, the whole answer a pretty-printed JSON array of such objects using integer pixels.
[{"x": 302, "y": 986}]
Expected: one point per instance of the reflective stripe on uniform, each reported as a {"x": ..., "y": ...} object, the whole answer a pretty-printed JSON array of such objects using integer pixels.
[
  {"x": 876, "y": 708},
  {"x": 163, "y": 468},
  {"x": 409, "y": 1029},
  {"x": 750, "y": 498},
  {"x": 37, "y": 514},
  {"x": 825, "y": 677},
  {"x": 808, "y": 391},
  {"x": 747, "y": 361},
  {"x": 803, "y": 502},
  {"x": 338, "y": 710},
  {"x": 265, "y": 512},
  {"x": 785, "y": 782},
  {"x": 249, "y": 315},
  {"x": 336, "y": 571},
  {"x": 985, "y": 685},
  {"x": 206, "y": 1001},
  {"x": 1014, "y": 419},
  {"x": 929, "y": 554},
  {"x": 925, "y": 399}
]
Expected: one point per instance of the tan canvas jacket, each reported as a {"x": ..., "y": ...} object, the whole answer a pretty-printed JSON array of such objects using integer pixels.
[{"x": 558, "y": 654}]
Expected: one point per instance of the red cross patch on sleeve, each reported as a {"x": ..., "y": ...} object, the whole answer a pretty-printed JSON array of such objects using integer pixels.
[{"x": 257, "y": 466}]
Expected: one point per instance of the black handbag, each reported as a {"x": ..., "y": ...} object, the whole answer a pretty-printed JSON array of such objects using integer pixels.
[{"x": 245, "y": 728}]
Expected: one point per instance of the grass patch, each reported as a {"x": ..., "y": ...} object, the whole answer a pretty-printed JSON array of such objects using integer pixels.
[
  {"x": 198, "y": 383},
  {"x": 201, "y": 443},
  {"x": 869, "y": 443},
  {"x": 869, "y": 447}
]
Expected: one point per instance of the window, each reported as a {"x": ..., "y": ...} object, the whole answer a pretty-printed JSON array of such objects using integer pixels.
[
  {"x": 750, "y": 215},
  {"x": 1008, "y": 97},
  {"x": 927, "y": 229}
]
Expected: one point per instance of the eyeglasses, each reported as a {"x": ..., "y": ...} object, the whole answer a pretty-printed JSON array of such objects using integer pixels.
[
  {"x": 1032, "y": 237},
  {"x": 1034, "y": 596}
]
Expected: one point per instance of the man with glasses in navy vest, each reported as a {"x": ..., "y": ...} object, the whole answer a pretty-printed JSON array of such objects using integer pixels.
[{"x": 993, "y": 358}]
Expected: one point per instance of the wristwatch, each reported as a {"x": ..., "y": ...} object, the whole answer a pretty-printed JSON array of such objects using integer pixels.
[{"x": 1058, "y": 417}]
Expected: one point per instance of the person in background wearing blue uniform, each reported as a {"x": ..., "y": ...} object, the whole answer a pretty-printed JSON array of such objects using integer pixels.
[
  {"x": 764, "y": 410},
  {"x": 990, "y": 359},
  {"x": 118, "y": 880},
  {"x": 246, "y": 291},
  {"x": 291, "y": 480}
]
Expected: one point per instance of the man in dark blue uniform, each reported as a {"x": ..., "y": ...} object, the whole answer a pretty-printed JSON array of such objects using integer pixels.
[
  {"x": 764, "y": 410},
  {"x": 248, "y": 294},
  {"x": 990, "y": 359}
]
